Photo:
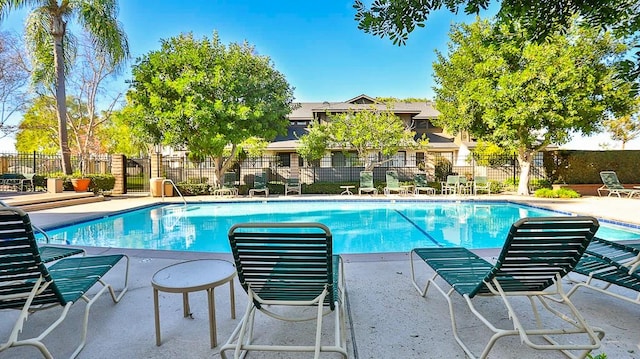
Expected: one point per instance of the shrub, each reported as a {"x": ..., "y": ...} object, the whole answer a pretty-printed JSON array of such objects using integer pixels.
[
  {"x": 193, "y": 189},
  {"x": 558, "y": 193},
  {"x": 442, "y": 168},
  {"x": 101, "y": 182}
]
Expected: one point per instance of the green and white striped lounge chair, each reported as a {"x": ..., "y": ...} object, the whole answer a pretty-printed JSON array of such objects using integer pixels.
[
  {"x": 366, "y": 183},
  {"x": 612, "y": 184},
  {"x": 613, "y": 264},
  {"x": 28, "y": 285},
  {"x": 259, "y": 185},
  {"x": 281, "y": 265},
  {"x": 422, "y": 185},
  {"x": 393, "y": 184},
  {"x": 228, "y": 185},
  {"x": 537, "y": 253},
  {"x": 50, "y": 253}
]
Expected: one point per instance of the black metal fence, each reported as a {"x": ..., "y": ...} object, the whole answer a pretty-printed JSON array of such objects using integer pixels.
[
  {"x": 341, "y": 168},
  {"x": 46, "y": 165}
]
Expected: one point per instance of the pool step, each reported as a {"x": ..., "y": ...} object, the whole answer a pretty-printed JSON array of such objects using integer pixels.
[{"x": 40, "y": 201}]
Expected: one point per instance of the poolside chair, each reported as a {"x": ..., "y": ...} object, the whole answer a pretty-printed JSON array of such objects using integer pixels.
[
  {"x": 422, "y": 185},
  {"x": 537, "y": 253},
  {"x": 259, "y": 185},
  {"x": 366, "y": 183},
  {"x": 228, "y": 185},
  {"x": 451, "y": 186},
  {"x": 481, "y": 183},
  {"x": 464, "y": 186},
  {"x": 284, "y": 265},
  {"x": 292, "y": 185},
  {"x": 28, "y": 285},
  {"x": 612, "y": 185},
  {"x": 49, "y": 253},
  {"x": 393, "y": 184},
  {"x": 613, "y": 264}
]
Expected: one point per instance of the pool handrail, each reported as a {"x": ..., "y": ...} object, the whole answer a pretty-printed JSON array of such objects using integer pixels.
[{"x": 175, "y": 187}]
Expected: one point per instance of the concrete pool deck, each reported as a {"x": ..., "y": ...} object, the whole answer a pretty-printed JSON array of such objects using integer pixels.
[{"x": 388, "y": 319}]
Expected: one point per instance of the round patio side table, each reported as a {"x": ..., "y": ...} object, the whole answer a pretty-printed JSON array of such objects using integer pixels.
[
  {"x": 347, "y": 190},
  {"x": 194, "y": 276}
]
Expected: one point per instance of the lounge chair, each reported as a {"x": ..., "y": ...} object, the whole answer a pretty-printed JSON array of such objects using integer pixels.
[
  {"x": 612, "y": 185},
  {"x": 281, "y": 265},
  {"x": 537, "y": 253},
  {"x": 451, "y": 186},
  {"x": 464, "y": 186},
  {"x": 421, "y": 184},
  {"x": 292, "y": 185},
  {"x": 481, "y": 183},
  {"x": 228, "y": 185},
  {"x": 259, "y": 185},
  {"x": 393, "y": 184},
  {"x": 49, "y": 253},
  {"x": 28, "y": 285},
  {"x": 366, "y": 183},
  {"x": 611, "y": 263}
]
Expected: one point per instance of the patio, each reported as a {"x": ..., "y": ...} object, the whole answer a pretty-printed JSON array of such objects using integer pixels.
[{"x": 388, "y": 319}]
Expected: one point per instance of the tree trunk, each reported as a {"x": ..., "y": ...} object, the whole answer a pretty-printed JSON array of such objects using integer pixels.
[
  {"x": 58, "y": 31},
  {"x": 524, "y": 157}
]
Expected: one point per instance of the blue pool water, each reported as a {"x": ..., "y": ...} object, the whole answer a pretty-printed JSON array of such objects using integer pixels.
[{"x": 357, "y": 227}]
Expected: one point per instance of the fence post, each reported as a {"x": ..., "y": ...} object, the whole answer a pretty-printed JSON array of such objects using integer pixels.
[{"x": 119, "y": 171}]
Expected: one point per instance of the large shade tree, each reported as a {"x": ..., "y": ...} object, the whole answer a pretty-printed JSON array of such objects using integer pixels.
[
  {"x": 369, "y": 132},
  {"x": 396, "y": 19},
  {"x": 523, "y": 95},
  {"x": 52, "y": 46},
  {"x": 206, "y": 97}
]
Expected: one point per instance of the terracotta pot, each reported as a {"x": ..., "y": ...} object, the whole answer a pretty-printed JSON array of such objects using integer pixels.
[{"x": 81, "y": 184}]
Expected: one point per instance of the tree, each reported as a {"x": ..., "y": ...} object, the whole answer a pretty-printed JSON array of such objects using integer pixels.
[
  {"x": 541, "y": 18},
  {"x": 366, "y": 131},
  {"x": 625, "y": 128},
  {"x": 38, "y": 129},
  {"x": 523, "y": 95},
  {"x": 52, "y": 50},
  {"x": 204, "y": 96},
  {"x": 14, "y": 77},
  {"x": 119, "y": 136}
]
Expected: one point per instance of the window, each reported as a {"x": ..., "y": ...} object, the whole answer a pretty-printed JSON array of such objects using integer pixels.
[
  {"x": 399, "y": 159},
  {"x": 284, "y": 159}
]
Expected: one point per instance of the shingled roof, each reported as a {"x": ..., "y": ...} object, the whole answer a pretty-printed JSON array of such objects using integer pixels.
[{"x": 306, "y": 110}]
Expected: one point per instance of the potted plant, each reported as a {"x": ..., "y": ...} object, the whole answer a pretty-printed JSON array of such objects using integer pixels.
[{"x": 80, "y": 183}]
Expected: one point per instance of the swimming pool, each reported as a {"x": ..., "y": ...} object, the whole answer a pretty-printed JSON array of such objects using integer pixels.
[{"x": 357, "y": 226}]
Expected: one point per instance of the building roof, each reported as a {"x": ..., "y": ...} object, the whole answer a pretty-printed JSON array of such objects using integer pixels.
[{"x": 307, "y": 110}]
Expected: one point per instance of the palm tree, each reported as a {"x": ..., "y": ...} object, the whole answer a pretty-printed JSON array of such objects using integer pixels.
[{"x": 52, "y": 50}]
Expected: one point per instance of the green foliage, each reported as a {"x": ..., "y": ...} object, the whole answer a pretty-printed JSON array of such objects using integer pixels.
[
  {"x": 203, "y": 96},
  {"x": 370, "y": 130},
  {"x": 38, "y": 130},
  {"x": 557, "y": 193},
  {"x": 598, "y": 356},
  {"x": 580, "y": 167},
  {"x": 397, "y": 19},
  {"x": 442, "y": 168},
  {"x": 626, "y": 127},
  {"x": 314, "y": 143},
  {"x": 490, "y": 155},
  {"x": 194, "y": 188},
  {"x": 523, "y": 96},
  {"x": 101, "y": 182},
  {"x": 539, "y": 183},
  {"x": 119, "y": 136}
]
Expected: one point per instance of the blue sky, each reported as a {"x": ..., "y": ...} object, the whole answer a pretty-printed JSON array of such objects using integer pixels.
[{"x": 315, "y": 44}]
